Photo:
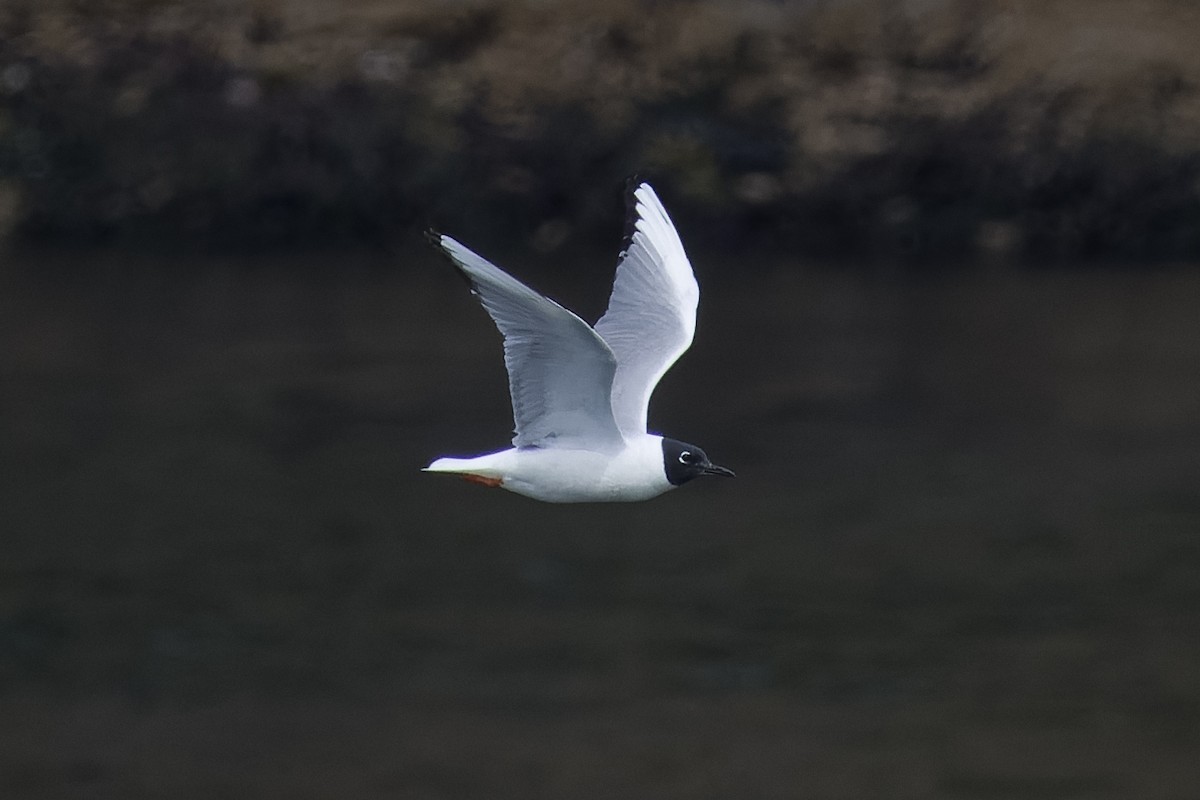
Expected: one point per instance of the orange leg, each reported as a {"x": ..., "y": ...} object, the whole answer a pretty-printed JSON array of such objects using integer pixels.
[{"x": 482, "y": 480}]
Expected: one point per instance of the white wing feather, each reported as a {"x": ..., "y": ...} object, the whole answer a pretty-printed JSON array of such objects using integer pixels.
[
  {"x": 651, "y": 316},
  {"x": 560, "y": 372}
]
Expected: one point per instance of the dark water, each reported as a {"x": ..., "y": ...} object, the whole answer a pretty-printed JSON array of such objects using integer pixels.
[{"x": 961, "y": 559}]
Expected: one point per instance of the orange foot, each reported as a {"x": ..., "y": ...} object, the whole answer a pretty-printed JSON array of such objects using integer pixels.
[{"x": 482, "y": 480}]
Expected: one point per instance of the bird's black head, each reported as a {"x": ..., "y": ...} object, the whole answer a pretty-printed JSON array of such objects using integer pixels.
[{"x": 683, "y": 461}]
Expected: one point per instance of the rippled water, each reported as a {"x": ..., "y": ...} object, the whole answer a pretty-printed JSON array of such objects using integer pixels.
[{"x": 961, "y": 559}]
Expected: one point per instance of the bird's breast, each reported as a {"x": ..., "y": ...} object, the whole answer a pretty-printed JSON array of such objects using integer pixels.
[{"x": 571, "y": 476}]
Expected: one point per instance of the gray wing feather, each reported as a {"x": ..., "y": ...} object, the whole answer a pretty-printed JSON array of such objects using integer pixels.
[
  {"x": 560, "y": 372},
  {"x": 651, "y": 316}
]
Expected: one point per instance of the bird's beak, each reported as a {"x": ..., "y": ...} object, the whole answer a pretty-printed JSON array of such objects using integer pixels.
[{"x": 713, "y": 469}]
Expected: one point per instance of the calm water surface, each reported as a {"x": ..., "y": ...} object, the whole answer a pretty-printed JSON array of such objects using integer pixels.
[{"x": 961, "y": 559}]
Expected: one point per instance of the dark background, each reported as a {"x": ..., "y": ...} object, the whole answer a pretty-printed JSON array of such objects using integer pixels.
[{"x": 948, "y": 339}]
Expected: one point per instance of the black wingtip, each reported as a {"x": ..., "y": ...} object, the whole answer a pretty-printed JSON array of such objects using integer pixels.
[
  {"x": 631, "y": 216},
  {"x": 435, "y": 239}
]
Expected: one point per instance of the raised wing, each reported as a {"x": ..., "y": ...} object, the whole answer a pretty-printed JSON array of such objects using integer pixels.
[
  {"x": 560, "y": 373},
  {"x": 651, "y": 316}
]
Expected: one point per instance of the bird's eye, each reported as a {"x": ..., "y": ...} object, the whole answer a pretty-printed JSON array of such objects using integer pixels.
[{"x": 686, "y": 457}]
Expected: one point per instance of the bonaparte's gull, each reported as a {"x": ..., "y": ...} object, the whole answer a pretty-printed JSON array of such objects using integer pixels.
[{"x": 579, "y": 394}]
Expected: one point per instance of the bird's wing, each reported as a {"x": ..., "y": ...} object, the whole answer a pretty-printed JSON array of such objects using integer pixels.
[
  {"x": 560, "y": 372},
  {"x": 651, "y": 314}
]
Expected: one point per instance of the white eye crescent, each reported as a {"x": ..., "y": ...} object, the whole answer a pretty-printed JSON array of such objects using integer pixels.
[{"x": 685, "y": 457}]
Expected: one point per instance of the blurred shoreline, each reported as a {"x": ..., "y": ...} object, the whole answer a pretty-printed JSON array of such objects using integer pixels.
[{"x": 918, "y": 132}]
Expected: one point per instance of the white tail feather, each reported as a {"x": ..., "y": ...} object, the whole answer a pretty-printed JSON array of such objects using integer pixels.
[{"x": 462, "y": 466}]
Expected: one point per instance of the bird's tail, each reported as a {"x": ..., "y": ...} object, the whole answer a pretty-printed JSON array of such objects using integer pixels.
[
  {"x": 469, "y": 469},
  {"x": 462, "y": 466}
]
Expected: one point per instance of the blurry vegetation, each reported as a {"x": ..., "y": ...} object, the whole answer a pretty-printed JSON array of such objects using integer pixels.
[{"x": 1054, "y": 130}]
